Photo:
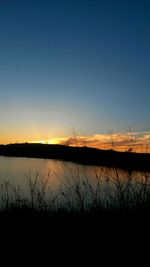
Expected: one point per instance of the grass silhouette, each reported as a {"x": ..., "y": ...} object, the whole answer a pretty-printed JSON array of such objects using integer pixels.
[{"x": 114, "y": 195}]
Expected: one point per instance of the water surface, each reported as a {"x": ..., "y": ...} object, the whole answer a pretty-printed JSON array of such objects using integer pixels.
[{"x": 18, "y": 170}]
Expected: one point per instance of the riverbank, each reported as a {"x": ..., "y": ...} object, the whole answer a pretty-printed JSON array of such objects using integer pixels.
[
  {"x": 109, "y": 195},
  {"x": 83, "y": 155}
]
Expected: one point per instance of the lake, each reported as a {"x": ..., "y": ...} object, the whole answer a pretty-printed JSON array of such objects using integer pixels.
[
  {"x": 19, "y": 172},
  {"x": 17, "y": 169}
]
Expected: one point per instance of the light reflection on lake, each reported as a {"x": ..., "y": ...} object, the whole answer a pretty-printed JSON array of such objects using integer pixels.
[{"x": 15, "y": 170}]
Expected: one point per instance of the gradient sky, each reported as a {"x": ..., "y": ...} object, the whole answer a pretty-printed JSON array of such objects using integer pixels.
[{"x": 79, "y": 62}]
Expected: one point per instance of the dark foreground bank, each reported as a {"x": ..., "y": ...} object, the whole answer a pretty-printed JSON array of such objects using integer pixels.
[
  {"x": 72, "y": 233},
  {"x": 118, "y": 223},
  {"x": 82, "y": 155}
]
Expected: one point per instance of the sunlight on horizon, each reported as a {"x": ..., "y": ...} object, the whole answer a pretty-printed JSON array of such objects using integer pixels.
[
  {"x": 52, "y": 141},
  {"x": 132, "y": 142},
  {"x": 124, "y": 141}
]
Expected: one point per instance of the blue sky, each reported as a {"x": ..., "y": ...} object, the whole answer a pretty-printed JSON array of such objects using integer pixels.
[{"x": 85, "y": 63}]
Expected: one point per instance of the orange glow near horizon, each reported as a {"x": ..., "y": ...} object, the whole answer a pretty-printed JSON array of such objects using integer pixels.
[
  {"x": 52, "y": 141},
  {"x": 136, "y": 142}
]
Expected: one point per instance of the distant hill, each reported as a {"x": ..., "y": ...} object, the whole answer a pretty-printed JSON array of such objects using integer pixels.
[{"x": 83, "y": 155}]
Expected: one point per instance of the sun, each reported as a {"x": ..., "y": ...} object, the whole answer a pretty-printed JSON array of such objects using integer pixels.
[{"x": 52, "y": 141}]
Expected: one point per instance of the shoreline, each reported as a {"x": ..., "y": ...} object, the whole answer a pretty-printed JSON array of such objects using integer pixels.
[{"x": 82, "y": 155}]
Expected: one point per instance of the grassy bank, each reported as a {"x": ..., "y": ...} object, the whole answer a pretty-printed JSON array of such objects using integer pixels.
[{"x": 79, "y": 197}]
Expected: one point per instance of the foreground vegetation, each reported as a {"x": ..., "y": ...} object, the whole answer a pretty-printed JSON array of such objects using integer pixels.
[{"x": 108, "y": 195}]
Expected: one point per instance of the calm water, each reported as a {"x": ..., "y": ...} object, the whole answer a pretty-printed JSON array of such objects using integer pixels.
[{"x": 17, "y": 170}]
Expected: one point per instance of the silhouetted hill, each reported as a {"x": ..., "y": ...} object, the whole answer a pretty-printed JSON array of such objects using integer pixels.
[{"x": 83, "y": 155}]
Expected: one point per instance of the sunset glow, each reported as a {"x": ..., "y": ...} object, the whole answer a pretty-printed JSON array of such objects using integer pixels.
[
  {"x": 52, "y": 141},
  {"x": 75, "y": 117},
  {"x": 80, "y": 63},
  {"x": 133, "y": 142}
]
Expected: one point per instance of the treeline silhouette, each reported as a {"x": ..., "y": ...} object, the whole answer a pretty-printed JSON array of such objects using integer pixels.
[{"x": 83, "y": 155}]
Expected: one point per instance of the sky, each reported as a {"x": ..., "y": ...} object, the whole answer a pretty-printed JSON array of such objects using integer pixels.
[{"x": 74, "y": 64}]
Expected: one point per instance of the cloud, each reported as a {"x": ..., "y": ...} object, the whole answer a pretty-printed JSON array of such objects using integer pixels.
[{"x": 137, "y": 141}]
